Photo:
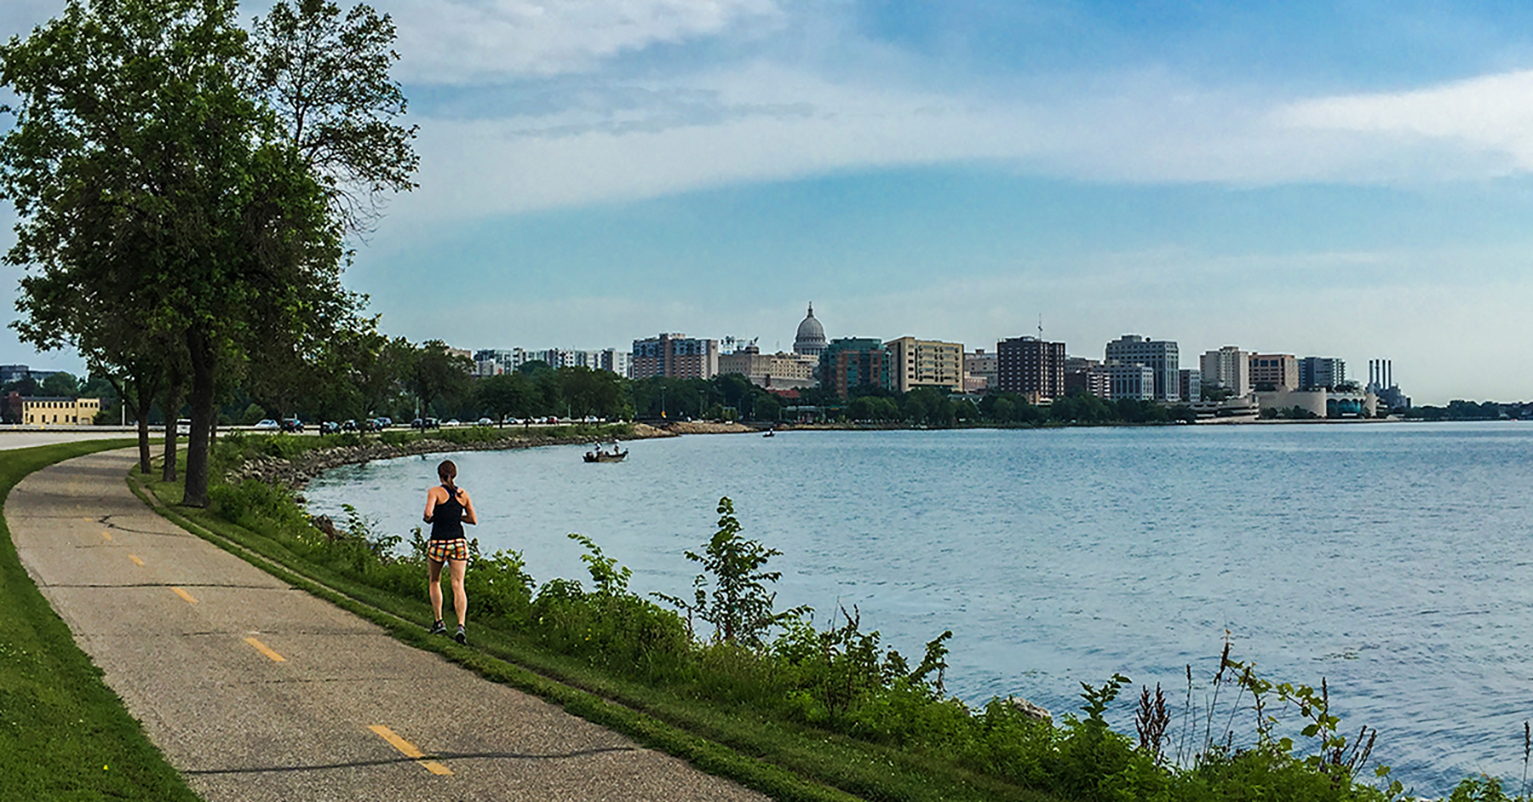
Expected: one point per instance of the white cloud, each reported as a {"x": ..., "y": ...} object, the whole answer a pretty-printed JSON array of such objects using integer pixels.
[
  {"x": 767, "y": 122},
  {"x": 1489, "y": 118},
  {"x": 466, "y": 41}
]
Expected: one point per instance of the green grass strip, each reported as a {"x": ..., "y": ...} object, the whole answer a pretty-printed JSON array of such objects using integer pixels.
[
  {"x": 64, "y": 735},
  {"x": 783, "y": 761}
]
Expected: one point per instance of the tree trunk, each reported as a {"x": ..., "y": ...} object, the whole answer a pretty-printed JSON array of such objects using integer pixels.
[
  {"x": 172, "y": 409},
  {"x": 202, "y": 399},
  {"x": 141, "y": 415},
  {"x": 140, "y": 406}
]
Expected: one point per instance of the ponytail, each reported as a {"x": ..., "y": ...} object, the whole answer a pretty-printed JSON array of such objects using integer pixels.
[{"x": 447, "y": 472}]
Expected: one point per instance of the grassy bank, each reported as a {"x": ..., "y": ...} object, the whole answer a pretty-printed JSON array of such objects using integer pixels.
[
  {"x": 63, "y": 733},
  {"x": 798, "y": 711}
]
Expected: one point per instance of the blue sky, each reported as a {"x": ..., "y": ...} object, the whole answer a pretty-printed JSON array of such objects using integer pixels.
[{"x": 1347, "y": 179}]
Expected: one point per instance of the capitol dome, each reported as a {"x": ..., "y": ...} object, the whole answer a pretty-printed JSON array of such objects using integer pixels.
[{"x": 811, "y": 336}]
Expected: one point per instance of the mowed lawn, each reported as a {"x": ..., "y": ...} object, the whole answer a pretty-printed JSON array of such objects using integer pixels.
[{"x": 64, "y": 735}]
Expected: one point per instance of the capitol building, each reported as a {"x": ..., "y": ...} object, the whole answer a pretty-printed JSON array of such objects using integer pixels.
[
  {"x": 811, "y": 336},
  {"x": 781, "y": 371}
]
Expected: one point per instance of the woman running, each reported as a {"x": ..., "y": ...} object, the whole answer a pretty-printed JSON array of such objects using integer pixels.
[{"x": 448, "y": 508}]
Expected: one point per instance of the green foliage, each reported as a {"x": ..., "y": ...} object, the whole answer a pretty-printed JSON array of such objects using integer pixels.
[
  {"x": 177, "y": 211},
  {"x": 1097, "y": 699},
  {"x": 739, "y": 607},
  {"x": 609, "y": 578},
  {"x": 1483, "y": 789}
]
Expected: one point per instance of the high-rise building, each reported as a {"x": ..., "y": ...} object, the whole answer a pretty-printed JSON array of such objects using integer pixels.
[
  {"x": 1321, "y": 371},
  {"x": 810, "y": 340},
  {"x": 849, "y": 362},
  {"x": 1084, "y": 375},
  {"x": 925, "y": 363},
  {"x": 619, "y": 362},
  {"x": 495, "y": 361},
  {"x": 1274, "y": 372},
  {"x": 1190, "y": 383},
  {"x": 1130, "y": 381},
  {"x": 675, "y": 356},
  {"x": 979, "y": 371},
  {"x": 1160, "y": 356},
  {"x": 1228, "y": 368},
  {"x": 1031, "y": 367}
]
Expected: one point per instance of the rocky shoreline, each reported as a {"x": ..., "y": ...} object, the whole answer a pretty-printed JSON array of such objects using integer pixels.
[{"x": 295, "y": 473}]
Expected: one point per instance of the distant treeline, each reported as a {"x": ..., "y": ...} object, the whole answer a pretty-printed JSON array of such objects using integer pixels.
[
  {"x": 1469, "y": 410},
  {"x": 402, "y": 380}
]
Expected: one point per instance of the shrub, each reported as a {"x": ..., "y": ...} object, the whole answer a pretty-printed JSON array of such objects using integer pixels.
[{"x": 740, "y": 606}]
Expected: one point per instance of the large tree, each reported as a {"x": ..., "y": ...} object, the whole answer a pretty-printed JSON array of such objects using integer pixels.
[
  {"x": 439, "y": 373},
  {"x": 158, "y": 178}
]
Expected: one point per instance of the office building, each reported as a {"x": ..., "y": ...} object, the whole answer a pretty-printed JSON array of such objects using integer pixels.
[
  {"x": 1274, "y": 372},
  {"x": 925, "y": 363},
  {"x": 979, "y": 371},
  {"x": 850, "y": 362},
  {"x": 1190, "y": 385},
  {"x": 779, "y": 371},
  {"x": 1321, "y": 371},
  {"x": 1031, "y": 367},
  {"x": 1083, "y": 375},
  {"x": 1129, "y": 381},
  {"x": 1228, "y": 368},
  {"x": 1160, "y": 356}
]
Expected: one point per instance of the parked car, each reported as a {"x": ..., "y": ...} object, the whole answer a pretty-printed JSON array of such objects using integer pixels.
[
  {"x": 425, "y": 423},
  {"x": 486, "y": 422},
  {"x": 267, "y": 425},
  {"x": 292, "y": 425},
  {"x": 384, "y": 421},
  {"x": 371, "y": 425},
  {"x": 329, "y": 427},
  {"x": 453, "y": 422},
  {"x": 348, "y": 425}
]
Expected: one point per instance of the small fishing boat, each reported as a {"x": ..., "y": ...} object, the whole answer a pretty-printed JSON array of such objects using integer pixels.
[{"x": 596, "y": 454}]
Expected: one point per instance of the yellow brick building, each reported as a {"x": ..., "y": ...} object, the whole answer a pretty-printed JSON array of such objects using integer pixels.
[{"x": 60, "y": 411}]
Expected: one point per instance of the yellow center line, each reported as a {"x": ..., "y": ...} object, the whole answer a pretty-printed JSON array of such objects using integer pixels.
[
  {"x": 136, "y": 559},
  {"x": 409, "y": 750},
  {"x": 183, "y": 594},
  {"x": 266, "y": 650},
  {"x": 108, "y": 536}
]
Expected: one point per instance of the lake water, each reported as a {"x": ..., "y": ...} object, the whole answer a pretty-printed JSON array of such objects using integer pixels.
[{"x": 1391, "y": 559}]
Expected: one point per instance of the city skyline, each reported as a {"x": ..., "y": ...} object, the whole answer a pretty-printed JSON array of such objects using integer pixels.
[{"x": 1291, "y": 178}]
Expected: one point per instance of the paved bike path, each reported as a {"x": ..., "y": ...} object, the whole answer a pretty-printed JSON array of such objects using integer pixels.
[{"x": 256, "y": 690}]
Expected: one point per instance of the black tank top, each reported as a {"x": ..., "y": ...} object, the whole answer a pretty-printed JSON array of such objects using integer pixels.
[{"x": 447, "y": 517}]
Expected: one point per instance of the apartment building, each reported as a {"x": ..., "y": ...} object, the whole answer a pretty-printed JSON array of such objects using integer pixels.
[{"x": 925, "y": 363}]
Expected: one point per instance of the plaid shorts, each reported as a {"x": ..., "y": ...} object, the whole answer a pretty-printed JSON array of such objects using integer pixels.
[{"x": 444, "y": 550}]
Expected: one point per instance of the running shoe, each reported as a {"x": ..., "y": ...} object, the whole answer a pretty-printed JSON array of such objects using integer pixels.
[
  {"x": 439, "y": 628},
  {"x": 462, "y": 636}
]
